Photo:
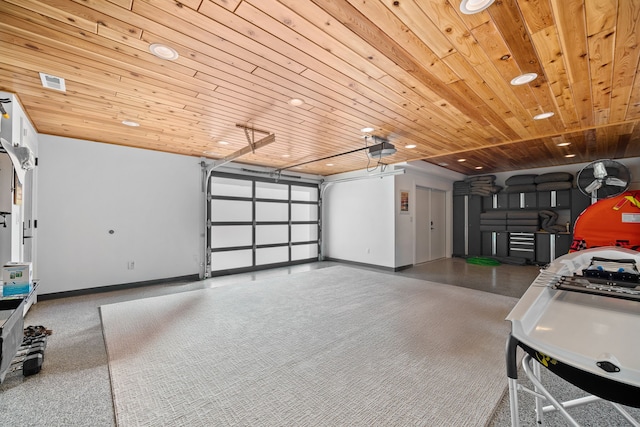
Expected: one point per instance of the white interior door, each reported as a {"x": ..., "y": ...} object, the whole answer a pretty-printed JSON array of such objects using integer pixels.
[
  {"x": 430, "y": 224},
  {"x": 423, "y": 225},
  {"x": 438, "y": 224}
]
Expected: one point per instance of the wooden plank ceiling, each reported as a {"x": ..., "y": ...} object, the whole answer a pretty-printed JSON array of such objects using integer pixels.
[{"x": 419, "y": 72}]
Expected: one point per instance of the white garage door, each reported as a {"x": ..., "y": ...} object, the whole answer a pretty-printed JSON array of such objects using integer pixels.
[{"x": 255, "y": 223}]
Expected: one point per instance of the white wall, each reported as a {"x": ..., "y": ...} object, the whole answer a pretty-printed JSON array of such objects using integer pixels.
[
  {"x": 152, "y": 201},
  {"x": 362, "y": 220},
  {"x": 420, "y": 174},
  {"x": 358, "y": 220}
]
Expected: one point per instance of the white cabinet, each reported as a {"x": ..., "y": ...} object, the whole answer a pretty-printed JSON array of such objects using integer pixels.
[
  {"x": 17, "y": 195},
  {"x": 6, "y": 182}
]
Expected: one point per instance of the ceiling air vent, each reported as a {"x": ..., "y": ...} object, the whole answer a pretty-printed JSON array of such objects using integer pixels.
[{"x": 52, "y": 82}]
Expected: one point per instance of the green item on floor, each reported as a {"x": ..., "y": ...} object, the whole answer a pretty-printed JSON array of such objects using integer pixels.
[{"x": 482, "y": 261}]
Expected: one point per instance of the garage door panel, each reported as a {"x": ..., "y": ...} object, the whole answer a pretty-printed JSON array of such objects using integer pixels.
[
  {"x": 272, "y": 255},
  {"x": 229, "y": 260},
  {"x": 272, "y": 234},
  {"x": 300, "y": 252},
  {"x": 230, "y": 236},
  {"x": 231, "y": 210}
]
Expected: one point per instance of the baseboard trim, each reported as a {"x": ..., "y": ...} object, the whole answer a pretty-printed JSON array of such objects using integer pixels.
[
  {"x": 364, "y": 264},
  {"x": 109, "y": 288}
]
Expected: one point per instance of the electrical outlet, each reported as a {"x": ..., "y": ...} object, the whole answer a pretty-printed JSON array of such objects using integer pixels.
[{"x": 131, "y": 265}]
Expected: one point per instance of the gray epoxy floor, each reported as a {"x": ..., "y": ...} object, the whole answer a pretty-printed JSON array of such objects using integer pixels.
[
  {"x": 74, "y": 387},
  {"x": 504, "y": 279}
]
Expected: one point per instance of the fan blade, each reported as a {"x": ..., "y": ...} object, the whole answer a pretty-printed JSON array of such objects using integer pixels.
[
  {"x": 599, "y": 170},
  {"x": 615, "y": 181},
  {"x": 596, "y": 184}
]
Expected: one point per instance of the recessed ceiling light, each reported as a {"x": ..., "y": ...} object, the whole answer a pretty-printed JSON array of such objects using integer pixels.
[
  {"x": 410, "y": 146},
  {"x": 478, "y": 167},
  {"x": 469, "y": 7},
  {"x": 462, "y": 160},
  {"x": 563, "y": 144},
  {"x": 130, "y": 123},
  {"x": 296, "y": 102},
  {"x": 329, "y": 164},
  {"x": 223, "y": 143},
  {"x": 524, "y": 79},
  {"x": 286, "y": 155},
  {"x": 570, "y": 155},
  {"x": 367, "y": 130},
  {"x": 163, "y": 51},
  {"x": 542, "y": 116}
]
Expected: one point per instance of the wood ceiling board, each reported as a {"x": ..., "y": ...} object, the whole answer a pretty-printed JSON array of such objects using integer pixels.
[
  {"x": 230, "y": 5},
  {"x": 489, "y": 38},
  {"x": 537, "y": 14},
  {"x": 67, "y": 12},
  {"x": 78, "y": 49},
  {"x": 364, "y": 28},
  {"x": 548, "y": 48},
  {"x": 510, "y": 24},
  {"x": 253, "y": 38},
  {"x": 454, "y": 28},
  {"x": 200, "y": 32},
  {"x": 601, "y": 47},
  {"x": 319, "y": 23},
  {"x": 570, "y": 20},
  {"x": 412, "y": 16},
  {"x": 24, "y": 58},
  {"x": 626, "y": 57},
  {"x": 419, "y": 72},
  {"x": 285, "y": 25},
  {"x": 393, "y": 28},
  {"x": 122, "y": 3},
  {"x": 477, "y": 84},
  {"x": 633, "y": 110}
]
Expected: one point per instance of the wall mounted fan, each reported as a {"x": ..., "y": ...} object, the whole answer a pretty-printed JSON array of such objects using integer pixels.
[{"x": 603, "y": 178}]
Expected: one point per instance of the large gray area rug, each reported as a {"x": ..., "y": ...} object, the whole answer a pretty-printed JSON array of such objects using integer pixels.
[{"x": 331, "y": 347}]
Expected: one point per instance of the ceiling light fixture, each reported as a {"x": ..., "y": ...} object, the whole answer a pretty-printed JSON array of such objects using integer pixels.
[
  {"x": 478, "y": 167},
  {"x": 469, "y": 7},
  {"x": 410, "y": 146},
  {"x": 542, "y": 116},
  {"x": 367, "y": 130},
  {"x": 163, "y": 51},
  {"x": 223, "y": 143},
  {"x": 296, "y": 102},
  {"x": 329, "y": 164},
  {"x": 286, "y": 155},
  {"x": 130, "y": 123},
  {"x": 570, "y": 155},
  {"x": 524, "y": 79},
  {"x": 563, "y": 144},
  {"x": 462, "y": 160}
]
